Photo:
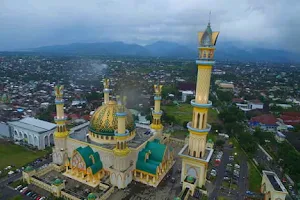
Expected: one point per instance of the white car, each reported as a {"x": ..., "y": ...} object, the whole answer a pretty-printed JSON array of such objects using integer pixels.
[
  {"x": 25, "y": 188},
  {"x": 213, "y": 172}
]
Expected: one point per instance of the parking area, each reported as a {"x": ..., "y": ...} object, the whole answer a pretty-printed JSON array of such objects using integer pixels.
[
  {"x": 32, "y": 192},
  {"x": 227, "y": 174}
]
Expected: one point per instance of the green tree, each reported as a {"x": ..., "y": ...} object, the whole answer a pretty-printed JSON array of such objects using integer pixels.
[{"x": 220, "y": 143}]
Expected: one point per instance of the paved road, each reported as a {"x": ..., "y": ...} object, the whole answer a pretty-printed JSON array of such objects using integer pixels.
[
  {"x": 7, "y": 193},
  {"x": 243, "y": 180},
  {"x": 221, "y": 171}
]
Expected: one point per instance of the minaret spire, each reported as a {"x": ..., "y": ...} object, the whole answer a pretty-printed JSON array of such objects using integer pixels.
[
  {"x": 209, "y": 17},
  {"x": 106, "y": 90}
]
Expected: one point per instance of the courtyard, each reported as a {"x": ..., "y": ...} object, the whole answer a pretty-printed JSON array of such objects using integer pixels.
[{"x": 73, "y": 187}]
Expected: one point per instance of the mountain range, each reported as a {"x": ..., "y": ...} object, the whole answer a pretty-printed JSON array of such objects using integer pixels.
[{"x": 224, "y": 51}]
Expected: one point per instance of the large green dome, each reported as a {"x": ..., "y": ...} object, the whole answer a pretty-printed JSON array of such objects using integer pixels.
[{"x": 104, "y": 120}]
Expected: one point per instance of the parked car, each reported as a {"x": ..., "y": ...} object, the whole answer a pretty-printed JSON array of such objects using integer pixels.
[
  {"x": 213, "y": 172},
  {"x": 18, "y": 187}
]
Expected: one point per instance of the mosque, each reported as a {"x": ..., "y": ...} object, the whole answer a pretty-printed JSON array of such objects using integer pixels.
[{"x": 113, "y": 146}]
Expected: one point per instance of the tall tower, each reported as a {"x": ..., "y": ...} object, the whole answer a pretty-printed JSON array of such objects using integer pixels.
[
  {"x": 121, "y": 174},
  {"x": 106, "y": 90},
  {"x": 61, "y": 133},
  {"x": 195, "y": 156},
  {"x": 156, "y": 113}
]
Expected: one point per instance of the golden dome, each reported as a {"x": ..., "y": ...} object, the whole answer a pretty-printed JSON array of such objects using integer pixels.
[{"x": 104, "y": 120}]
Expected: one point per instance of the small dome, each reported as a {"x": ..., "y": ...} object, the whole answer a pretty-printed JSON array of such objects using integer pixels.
[
  {"x": 190, "y": 179},
  {"x": 92, "y": 196},
  {"x": 28, "y": 169},
  {"x": 57, "y": 182},
  {"x": 209, "y": 140},
  {"x": 104, "y": 120}
]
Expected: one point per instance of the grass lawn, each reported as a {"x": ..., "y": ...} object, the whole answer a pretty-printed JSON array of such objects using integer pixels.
[
  {"x": 180, "y": 134},
  {"x": 184, "y": 112},
  {"x": 11, "y": 154},
  {"x": 225, "y": 184},
  {"x": 254, "y": 178},
  {"x": 222, "y": 198}
]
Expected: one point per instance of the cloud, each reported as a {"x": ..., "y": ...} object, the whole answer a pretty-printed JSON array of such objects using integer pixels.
[{"x": 34, "y": 23}]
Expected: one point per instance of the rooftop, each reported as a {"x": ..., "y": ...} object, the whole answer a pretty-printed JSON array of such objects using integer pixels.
[
  {"x": 265, "y": 119},
  {"x": 275, "y": 181},
  {"x": 33, "y": 124},
  {"x": 207, "y": 155}
]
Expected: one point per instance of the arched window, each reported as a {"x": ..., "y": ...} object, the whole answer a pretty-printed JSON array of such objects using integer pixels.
[
  {"x": 200, "y": 154},
  {"x": 203, "y": 121},
  {"x": 198, "y": 120},
  {"x": 194, "y": 153},
  {"x": 121, "y": 145}
]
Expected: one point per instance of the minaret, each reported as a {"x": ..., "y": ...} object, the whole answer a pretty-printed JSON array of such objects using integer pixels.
[
  {"x": 195, "y": 151},
  {"x": 61, "y": 133},
  {"x": 199, "y": 128},
  {"x": 121, "y": 166},
  {"x": 156, "y": 113},
  {"x": 106, "y": 90},
  {"x": 121, "y": 134}
]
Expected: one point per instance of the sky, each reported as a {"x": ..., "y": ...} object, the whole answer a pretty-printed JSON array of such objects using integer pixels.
[{"x": 270, "y": 24}]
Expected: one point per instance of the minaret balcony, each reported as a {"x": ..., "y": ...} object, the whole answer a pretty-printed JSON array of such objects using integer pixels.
[
  {"x": 59, "y": 101},
  {"x": 205, "y": 62},
  {"x": 201, "y": 105},
  {"x": 157, "y": 98},
  {"x": 190, "y": 127},
  {"x": 121, "y": 114},
  {"x": 56, "y": 119},
  {"x": 157, "y": 113},
  {"x": 106, "y": 90},
  {"x": 121, "y": 134}
]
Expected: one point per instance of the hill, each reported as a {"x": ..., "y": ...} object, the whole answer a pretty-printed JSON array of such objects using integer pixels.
[{"x": 225, "y": 51}]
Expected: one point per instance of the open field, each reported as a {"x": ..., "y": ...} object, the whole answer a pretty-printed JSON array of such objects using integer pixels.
[
  {"x": 11, "y": 154},
  {"x": 183, "y": 113}
]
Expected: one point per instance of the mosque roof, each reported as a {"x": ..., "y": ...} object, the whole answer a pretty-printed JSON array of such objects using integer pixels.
[
  {"x": 156, "y": 152},
  {"x": 92, "y": 159},
  {"x": 104, "y": 120}
]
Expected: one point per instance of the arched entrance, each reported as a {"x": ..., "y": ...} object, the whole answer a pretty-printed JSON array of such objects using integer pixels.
[
  {"x": 25, "y": 138},
  {"x": 51, "y": 139},
  {"x": 46, "y": 141},
  {"x": 36, "y": 141}
]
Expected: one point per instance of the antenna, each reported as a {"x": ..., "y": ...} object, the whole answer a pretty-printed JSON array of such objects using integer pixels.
[{"x": 209, "y": 17}]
